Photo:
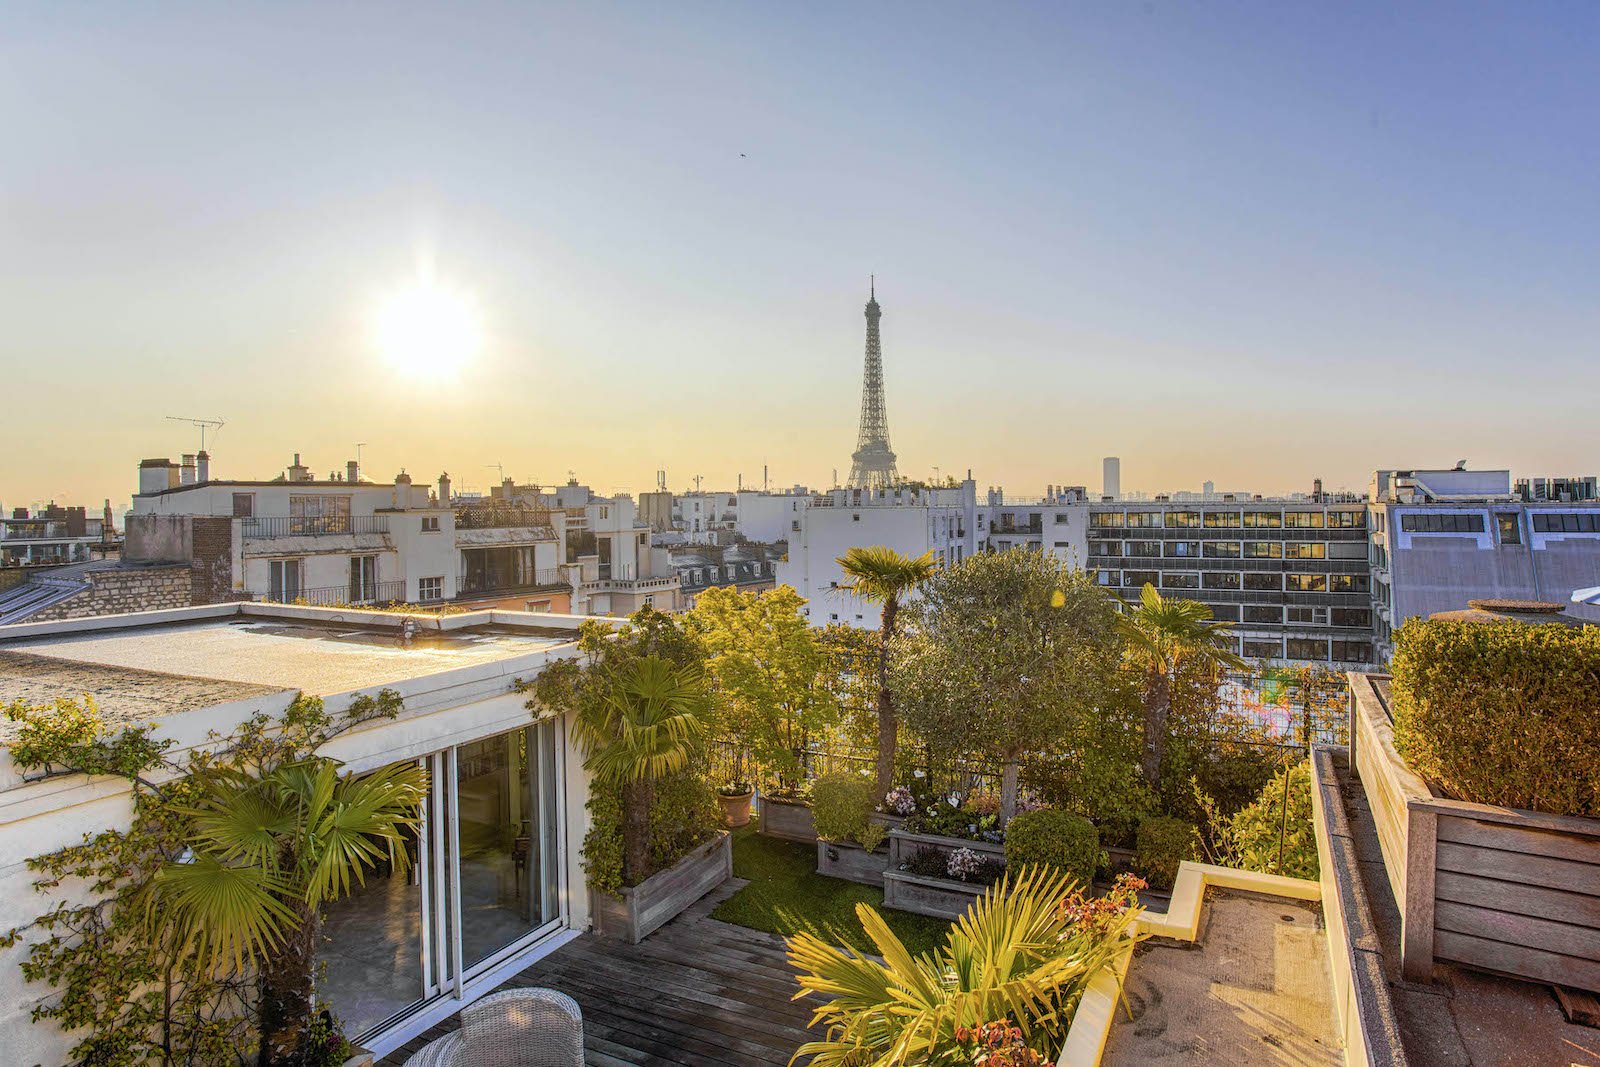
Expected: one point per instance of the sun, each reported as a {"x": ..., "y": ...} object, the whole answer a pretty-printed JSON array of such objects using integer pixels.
[{"x": 427, "y": 331}]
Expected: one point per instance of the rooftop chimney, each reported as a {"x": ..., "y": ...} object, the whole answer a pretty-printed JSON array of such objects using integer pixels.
[
  {"x": 203, "y": 466},
  {"x": 156, "y": 475},
  {"x": 186, "y": 472},
  {"x": 299, "y": 472},
  {"x": 444, "y": 489},
  {"x": 352, "y": 471},
  {"x": 402, "y": 490}
]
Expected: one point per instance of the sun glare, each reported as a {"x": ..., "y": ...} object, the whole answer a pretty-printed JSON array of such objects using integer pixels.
[{"x": 427, "y": 332}]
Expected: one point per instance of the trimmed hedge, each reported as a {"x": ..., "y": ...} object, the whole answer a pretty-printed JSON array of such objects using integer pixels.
[
  {"x": 1058, "y": 838},
  {"x": 1163, "y": 844},
  {"x": 841, "y": 808},
  {"x": 1252, "y": 836},
  {"x": 1502, "y": 713}
]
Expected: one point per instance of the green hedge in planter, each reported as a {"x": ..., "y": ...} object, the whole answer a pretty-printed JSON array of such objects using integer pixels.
[
  {"x": 1163, "y": 844},
  {"x": 1501, "y": 713},
  {"x": 841, "y": 807},
  {"x": 1057, "y": 838}
]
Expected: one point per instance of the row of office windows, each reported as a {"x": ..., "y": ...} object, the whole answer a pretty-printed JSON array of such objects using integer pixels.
[
  {"x": 1303, "y": 520},
  {"x": 1227, "y": 580},
  {"x": 1308, "y": 648},
  {"x": 1212, "y": 549},
  {"x": 1567, "y": 522}
]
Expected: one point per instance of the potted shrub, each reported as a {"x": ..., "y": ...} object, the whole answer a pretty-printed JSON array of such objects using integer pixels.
[
  {"x": 847, "y": 838},
  {"x": 734, "y": 798},
  {"x": 941, "y": 882},
  {"x": 1069, "y": 843}
]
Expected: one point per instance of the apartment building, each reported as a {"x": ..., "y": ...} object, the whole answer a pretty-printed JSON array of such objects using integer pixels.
[
  {"x": 750, "y": 568},
  {"x": 910, "y": 520},
  {"x": 1440, "y": 538},
  {"x": 52, "y": 536},
  {"x": 762, "y": 516}
]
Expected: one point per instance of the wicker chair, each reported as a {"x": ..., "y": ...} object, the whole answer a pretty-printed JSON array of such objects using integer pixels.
[{"x": 517, "y": 1028}]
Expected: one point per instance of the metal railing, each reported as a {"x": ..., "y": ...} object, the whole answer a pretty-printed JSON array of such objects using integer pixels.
[
  {"x": 499, "y": 516},
  {"x": 327, "y": 596},
  {"x": 258, "y": 528},
  {"x": 540, "y": 577}
]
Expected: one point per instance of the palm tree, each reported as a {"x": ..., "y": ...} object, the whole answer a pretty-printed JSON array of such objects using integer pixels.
[
  {"x": 267, "y": 851},
  {"x": 881, "y": 575},
  {"x": 644, "y": 726},
  {"x": 1163, "y": 637},
  {"x": 1024, "y": 952}
]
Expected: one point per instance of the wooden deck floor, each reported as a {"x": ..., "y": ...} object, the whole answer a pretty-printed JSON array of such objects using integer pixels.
[{"x": 697, "y": 991}]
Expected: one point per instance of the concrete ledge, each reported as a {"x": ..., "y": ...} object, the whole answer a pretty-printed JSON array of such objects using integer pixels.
[{"x": 1091, "y": 1025}]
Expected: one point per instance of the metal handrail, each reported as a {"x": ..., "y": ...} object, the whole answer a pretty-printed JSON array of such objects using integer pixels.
[
  {"x": 262, "y": 527},
  {"x": 324, "y": 596}
]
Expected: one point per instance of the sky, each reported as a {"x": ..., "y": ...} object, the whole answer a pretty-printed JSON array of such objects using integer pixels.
[{"x": 1255, "y": 244}]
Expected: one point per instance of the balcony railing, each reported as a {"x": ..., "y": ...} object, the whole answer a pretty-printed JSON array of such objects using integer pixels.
[
  {"x": 499, "y": 516},
  {"x": 328, "y": 596},
  {"x": 539, "y": 578},
  {"x": 255, "y": 529}
]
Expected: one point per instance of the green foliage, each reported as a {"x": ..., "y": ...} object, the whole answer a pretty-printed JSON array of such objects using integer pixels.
[
  {"x": 1006, "y": 652},
  {"x": 683, "y": 814},
  {"x": 1058, "y": 839},
  {"x": 841, "y": 806},
  {"x": 786, "y": 895},
  {"x": 1024, "y": 951},
  {"x": 1501, "y": 713},
  {"x": 1163, "y": 844},
  {"x": 176, "y": 962},
  {"x": 768, "y": 673},
  {"x": 1249, "y": 840},
  {"x": 952, "y": 820}
]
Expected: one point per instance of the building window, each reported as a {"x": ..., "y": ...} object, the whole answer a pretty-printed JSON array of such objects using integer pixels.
[
  {"x": 1306, "y": 648},
  {"x": 363, "y": 579},
  {"x": 1221, "y": 550},
  {"x": 1263, "y": 549},
  {"x": 1225, "y": 612},
  {"x": 1105, "y": 577},
  {"x": 1183, "y": 549},
  {"x": 1347, "y": 520},
  {"x": 1180, "y": 519},
  {"x": 1300, "y": 615},
  {"x": 1352, "y": 651},
  {"x": 319, "y": 514},
  {"x": 1509, "y": 526},
  {"x": 1180, "y": 580},
  {"x": 855, "y": 517},
  {"x": 1144, "y": 519},
  {"x": 1306, "y": 550},
  {"x": 1222, "y": 580},
  {"x": 1106, "y": 520},
  {"x": 244, "y": 505},
  {"x": 1565, "y": 522},
  {"x": 650, "y": 600},
  {"x": 430, "y": 589},
  {"x": 1446, "y": 522},
  {"x": 283, "y": 580},
  {"x": 1139, "y": 579},
  {"x": 430, "y": 524},
  {"x": 1262, "y": 649},
  {"x": 1359, "y": 617},
  {"x": 1223, "y": 519},
  {"x": 1147, "y": 549},
  {"x": 1258, "y": 582},
  {"x": 1303, "y": 520},
  {"x": 1306, "y": 583},
  {"x": 1263, "y": 613},
  {"x": 1349, "y": 583},
  {"x": 1263, "y": 520},
  {"x": 1061, "y": 518}
]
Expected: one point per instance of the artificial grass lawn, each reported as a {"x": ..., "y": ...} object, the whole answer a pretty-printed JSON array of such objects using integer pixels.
[{"x": 787, "y": 895}]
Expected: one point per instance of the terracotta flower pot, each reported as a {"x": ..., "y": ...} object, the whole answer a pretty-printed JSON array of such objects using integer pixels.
[{"x": 736, "y": 809}]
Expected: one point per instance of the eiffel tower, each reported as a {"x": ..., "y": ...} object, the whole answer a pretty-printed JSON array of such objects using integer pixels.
[{"x": 872, "y": 464}]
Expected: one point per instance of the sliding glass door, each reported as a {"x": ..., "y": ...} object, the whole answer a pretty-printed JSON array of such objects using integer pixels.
[{"x": 478, "y": 883}]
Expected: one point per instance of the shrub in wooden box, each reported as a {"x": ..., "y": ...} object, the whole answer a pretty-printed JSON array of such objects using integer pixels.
[
  {"x": 848, "y": 860},
  {"x": 644, "y": 908},
  {"x": 942, "y": 898},
  {"x": 788, "y": 820}
]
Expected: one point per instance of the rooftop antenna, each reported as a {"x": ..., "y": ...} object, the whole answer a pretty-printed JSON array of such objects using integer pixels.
[
  {"x": 359, "y": 445},
  {"x": 697, "y": 478},
  {"x": 661, "y": 481},
  {"x": 215, "y": 424},
  {"x": 501, "y": 467}
]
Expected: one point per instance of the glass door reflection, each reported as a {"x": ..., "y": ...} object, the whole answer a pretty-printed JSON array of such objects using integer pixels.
[{"x": 505, "y": 809}]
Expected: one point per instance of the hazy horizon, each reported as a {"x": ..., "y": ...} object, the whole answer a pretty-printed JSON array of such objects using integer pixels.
[{"x": 1243, "y": 244}]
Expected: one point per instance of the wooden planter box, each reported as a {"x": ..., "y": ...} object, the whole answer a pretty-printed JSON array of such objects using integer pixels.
[
  {"x": 847, "y": 860},
  {"x": 788, "y": 820},
  {"x": 942, "y": 898},
  {"x": 903, "y": 846},
  {"x": 886, "y": 820},
  {"x": 1500, "y": 889},
  {"x": 646, "y": 907}
]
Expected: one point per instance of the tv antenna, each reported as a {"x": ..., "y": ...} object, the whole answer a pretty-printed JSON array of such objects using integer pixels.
[
  {"x": 359, "y": 445},
  {"x": 501, "y": 467},
  {"x": 204, "y": 424}
]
